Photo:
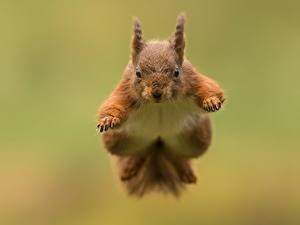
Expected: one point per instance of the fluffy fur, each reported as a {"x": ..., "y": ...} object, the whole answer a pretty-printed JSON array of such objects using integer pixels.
[{"x": 155, "y": 121}]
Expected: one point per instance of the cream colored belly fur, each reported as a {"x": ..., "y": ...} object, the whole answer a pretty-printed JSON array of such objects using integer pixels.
[{"x": 165, "y": 120}]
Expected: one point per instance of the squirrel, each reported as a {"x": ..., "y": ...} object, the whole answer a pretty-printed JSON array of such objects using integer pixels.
[{"x": 156, "y": 120}]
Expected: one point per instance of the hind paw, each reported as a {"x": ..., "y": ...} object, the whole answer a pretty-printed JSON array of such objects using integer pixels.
[
  {"x": 127, "y": 175},
  {"x": 188, "y": 177}
]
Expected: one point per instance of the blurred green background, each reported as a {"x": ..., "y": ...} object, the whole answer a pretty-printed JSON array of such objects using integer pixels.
[{"x": 60, "y": 59}]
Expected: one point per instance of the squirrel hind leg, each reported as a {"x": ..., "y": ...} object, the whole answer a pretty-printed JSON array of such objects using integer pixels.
[
  {"x": 130, "y": 167},
  {"x": 185, "y": 172},
  {"x": 155, "y": 171}
]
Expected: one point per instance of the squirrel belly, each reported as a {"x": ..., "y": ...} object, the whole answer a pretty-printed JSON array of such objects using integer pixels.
[{"x": 173, "y": 122}]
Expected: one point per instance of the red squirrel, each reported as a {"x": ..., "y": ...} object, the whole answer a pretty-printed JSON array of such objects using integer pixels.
[{"x": 155, "y": 121}]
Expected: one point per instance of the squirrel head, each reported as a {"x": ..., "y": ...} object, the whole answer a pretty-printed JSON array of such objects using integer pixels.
[{"x": 157, "y": 65}]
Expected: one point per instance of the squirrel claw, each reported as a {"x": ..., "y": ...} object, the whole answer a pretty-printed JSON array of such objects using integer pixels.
[
  {"x": 107, "y": 122},
  {"x": 212, "y": 104}
]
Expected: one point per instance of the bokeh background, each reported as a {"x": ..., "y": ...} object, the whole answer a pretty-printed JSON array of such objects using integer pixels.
[{"x": 60, "y": 59}]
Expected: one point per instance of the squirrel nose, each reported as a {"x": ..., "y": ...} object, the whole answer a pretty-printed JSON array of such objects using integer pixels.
[{"x": 156, "y": 95}]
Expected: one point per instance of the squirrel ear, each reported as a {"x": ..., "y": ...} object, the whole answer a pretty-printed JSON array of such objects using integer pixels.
[
  {"x": 178, "y": 42},
  {"x": 137, "y": 40}
]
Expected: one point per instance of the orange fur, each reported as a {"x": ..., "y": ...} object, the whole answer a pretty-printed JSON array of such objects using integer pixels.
[{"x": 158, "y": 72}]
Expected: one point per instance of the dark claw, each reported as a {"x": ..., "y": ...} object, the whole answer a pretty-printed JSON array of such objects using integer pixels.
[
  {"x": 101, "y": 128},
  {"x": 106, "y": 127}
]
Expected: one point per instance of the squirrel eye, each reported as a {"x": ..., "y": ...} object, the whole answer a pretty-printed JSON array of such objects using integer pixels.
[
  {"x": 176, "y": 72},
  {"x": 138, "y": 73}
]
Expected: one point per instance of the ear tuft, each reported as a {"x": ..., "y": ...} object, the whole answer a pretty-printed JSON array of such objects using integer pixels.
[
  {"x": 178, "y": 40},
  {"x": 137, "y": 39}
]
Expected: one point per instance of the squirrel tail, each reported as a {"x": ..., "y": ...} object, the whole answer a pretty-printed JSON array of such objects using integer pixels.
[{"x": 155, "y": 172}]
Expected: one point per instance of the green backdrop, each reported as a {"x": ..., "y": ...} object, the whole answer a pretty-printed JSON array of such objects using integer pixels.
[{"x": 60, "y": 59}]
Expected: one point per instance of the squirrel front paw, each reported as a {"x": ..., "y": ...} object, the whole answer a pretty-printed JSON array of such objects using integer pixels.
[
  {"x": 107, "y": 122},
  {"x": 212, "y": 103}
]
